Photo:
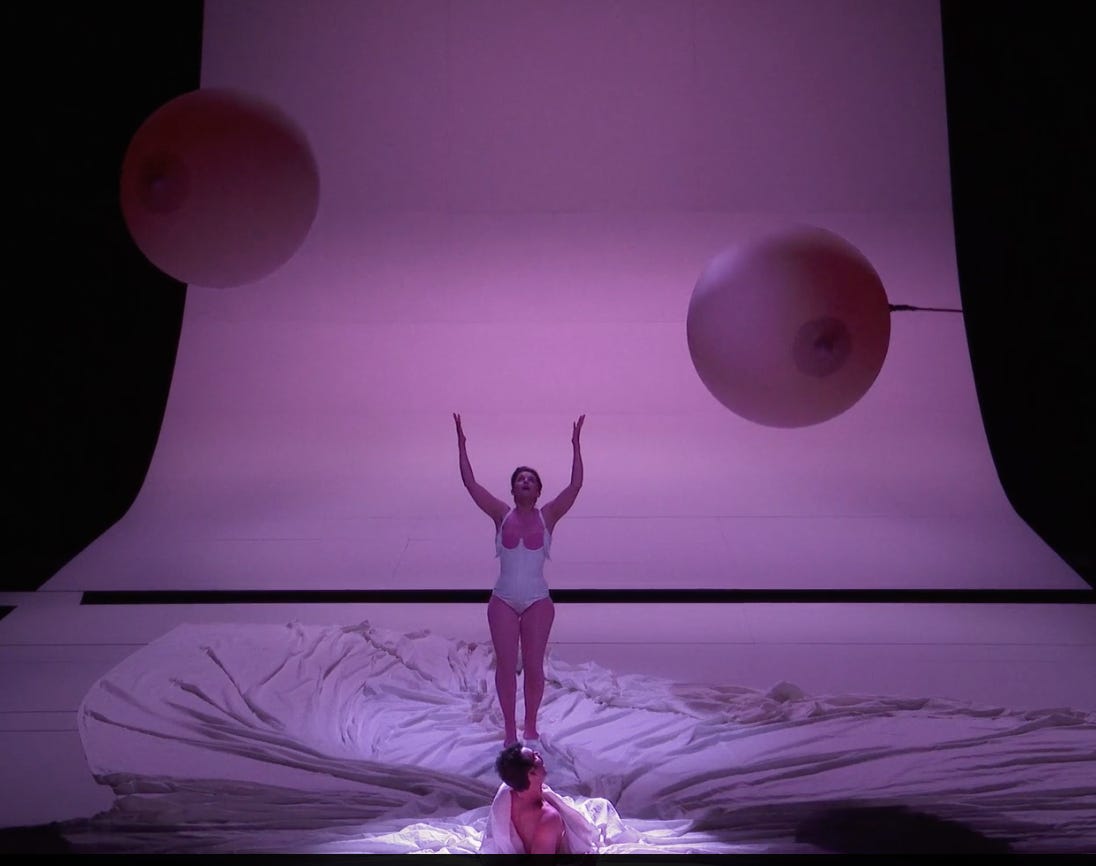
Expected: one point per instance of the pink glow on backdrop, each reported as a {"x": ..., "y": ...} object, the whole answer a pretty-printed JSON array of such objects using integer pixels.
[{"x": 517, "y": 199}]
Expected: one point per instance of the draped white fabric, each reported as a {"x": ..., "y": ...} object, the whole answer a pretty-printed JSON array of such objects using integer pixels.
[
  {"x": 357, "y": 738},
  {"x": 583, "y": 833}
]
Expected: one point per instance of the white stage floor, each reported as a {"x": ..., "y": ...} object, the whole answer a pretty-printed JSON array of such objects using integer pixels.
[{"x": 1035, "y": 656}]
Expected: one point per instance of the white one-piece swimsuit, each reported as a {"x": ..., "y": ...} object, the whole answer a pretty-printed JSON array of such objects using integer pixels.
[{"x": 521, "y": 580}]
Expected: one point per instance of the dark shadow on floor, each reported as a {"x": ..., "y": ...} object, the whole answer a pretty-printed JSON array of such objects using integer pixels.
[
  {"x": 892, "y": 830},
  {"x": 40, "y": 839}
]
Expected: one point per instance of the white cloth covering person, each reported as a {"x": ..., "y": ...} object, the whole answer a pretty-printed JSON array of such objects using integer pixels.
[{"x": 580, "y": 834}]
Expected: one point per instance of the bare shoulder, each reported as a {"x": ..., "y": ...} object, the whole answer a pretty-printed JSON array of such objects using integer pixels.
[
  {"x": 550, "y": 813},
  {"x": 496, "y": 509},
  {"x": 550, "y": 823},
  {"x": 553, "y": 511},
  {"x": 549, "y": 831}
]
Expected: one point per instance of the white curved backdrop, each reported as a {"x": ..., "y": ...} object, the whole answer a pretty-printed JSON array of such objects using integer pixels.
[{"x": 516, "y": 201}]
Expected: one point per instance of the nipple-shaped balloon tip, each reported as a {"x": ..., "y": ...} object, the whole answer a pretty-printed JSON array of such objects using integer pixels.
[{"x": 790, "y": 329}]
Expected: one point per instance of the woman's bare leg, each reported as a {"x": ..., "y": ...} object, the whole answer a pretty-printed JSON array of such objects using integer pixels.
[
  {"x": 535, "y": 624},
  {"x": 504, "y": 624}
]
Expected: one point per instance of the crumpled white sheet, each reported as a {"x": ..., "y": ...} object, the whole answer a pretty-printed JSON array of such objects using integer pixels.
[
  {"x": 582, "y": 833},
  {"x": 366, "y": 739}
]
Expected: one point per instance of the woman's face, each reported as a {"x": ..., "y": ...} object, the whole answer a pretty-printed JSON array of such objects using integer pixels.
[{"x": 525, "y": 484}]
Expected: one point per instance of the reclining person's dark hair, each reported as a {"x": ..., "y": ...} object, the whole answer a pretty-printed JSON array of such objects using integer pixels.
[{"x": 513, "y": 767}]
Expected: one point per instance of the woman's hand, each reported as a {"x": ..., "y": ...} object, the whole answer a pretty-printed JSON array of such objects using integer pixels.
[
  {"x": 460, "y": 430},
  {"x": 576, "y": 429}
]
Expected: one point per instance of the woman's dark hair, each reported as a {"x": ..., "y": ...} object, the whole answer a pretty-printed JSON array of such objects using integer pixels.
[
  {"x": 519, "y": 470},
  {"x": 513, "y": 767}
]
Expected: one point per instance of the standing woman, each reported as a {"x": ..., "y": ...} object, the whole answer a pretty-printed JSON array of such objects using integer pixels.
[{"x": 520, "y": 612}]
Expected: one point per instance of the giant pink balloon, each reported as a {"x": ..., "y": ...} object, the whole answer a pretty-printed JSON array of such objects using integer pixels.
[
  {"x": 218, "y": 188},
  {"x": 790, "y": 329}
]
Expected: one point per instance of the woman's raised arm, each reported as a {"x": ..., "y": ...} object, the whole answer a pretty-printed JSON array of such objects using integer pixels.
[
  {"x": 559, "y": 506},
  {"x": 494, "y": 508}
]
